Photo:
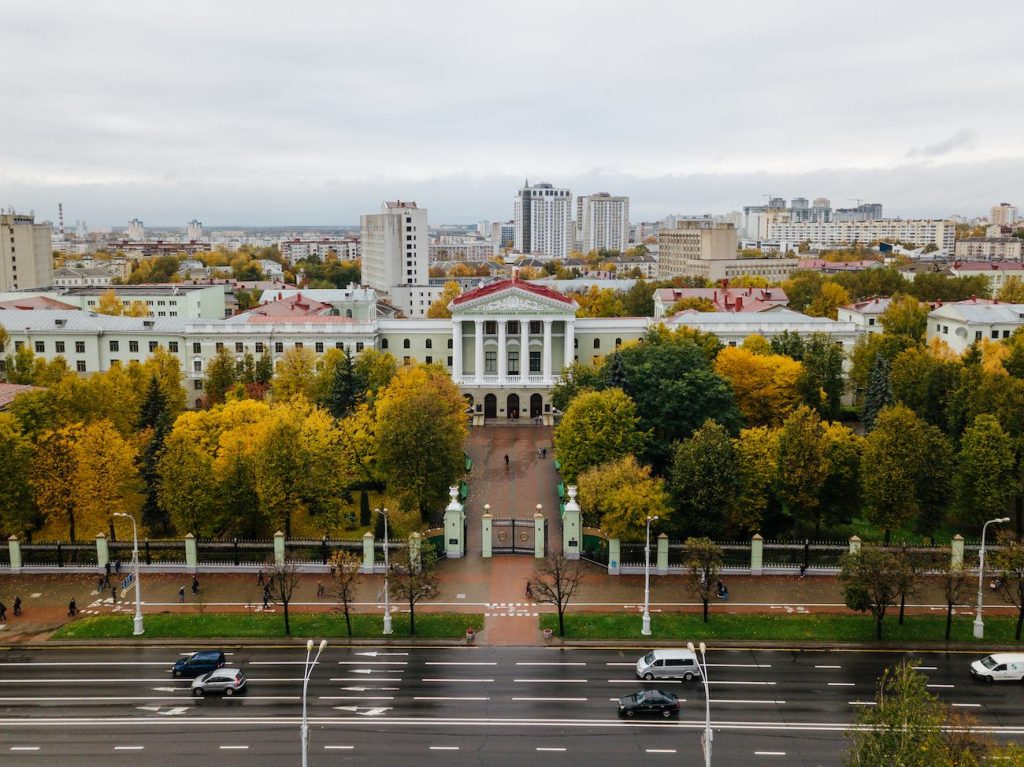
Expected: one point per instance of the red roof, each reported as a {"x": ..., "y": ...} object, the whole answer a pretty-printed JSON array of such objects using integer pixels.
[
  {"x": 293, "y": 306},
  {"x": 729, "y": 299},
  {"x": 35, "y": 302},
  {"x": 9, "y": 391},
  {"x": 497, "y": 287}
]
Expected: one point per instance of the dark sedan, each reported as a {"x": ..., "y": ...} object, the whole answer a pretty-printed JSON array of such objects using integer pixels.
[{"x": 649, "y": 702}]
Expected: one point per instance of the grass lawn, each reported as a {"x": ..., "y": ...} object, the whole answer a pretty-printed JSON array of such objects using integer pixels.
[
  {"x": 267, "y": 626},
  {"x": 824, "y": 628}
]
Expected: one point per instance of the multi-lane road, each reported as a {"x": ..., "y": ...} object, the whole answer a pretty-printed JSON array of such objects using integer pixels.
[{"x": 452, "y": 706}]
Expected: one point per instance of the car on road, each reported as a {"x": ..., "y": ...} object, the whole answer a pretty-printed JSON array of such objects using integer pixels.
[
  {"x": 198, "y": 663},
  {"x": 999, "y": 667},
  {"x": 649, "y": 702},
  {"x": 225, "y": 680},
  {"x": 668, "y": 664}
]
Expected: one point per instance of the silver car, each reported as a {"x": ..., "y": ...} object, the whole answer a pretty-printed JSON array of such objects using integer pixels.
[{"x": 225, "y": 680}]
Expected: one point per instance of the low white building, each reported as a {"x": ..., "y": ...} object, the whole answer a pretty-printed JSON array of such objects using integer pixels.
[
  {"x": 732, "y": 328},
  {"x": 83, "y": 276},
  {"x": 865, "y": 315},
  {"x": 963, "y": 324},
  {"x": 989, "y": 248},
  {"x": 997, "y": 272}
]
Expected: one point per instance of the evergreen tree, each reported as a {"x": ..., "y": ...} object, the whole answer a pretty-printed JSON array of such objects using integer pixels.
[
  {"x": 264, "y": 369},
  {"x": 364, "y": 508},
  {"x": 614, "y": 374},
  {"x": 346, "y": 391},
  {"x": 220, "y": 376},
  {"x": 879, "y": 392},
  {"x": 154, "y": 417}
]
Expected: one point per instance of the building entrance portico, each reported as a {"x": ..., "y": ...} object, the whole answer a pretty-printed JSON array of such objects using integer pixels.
[{"x": 512, "y": 406}]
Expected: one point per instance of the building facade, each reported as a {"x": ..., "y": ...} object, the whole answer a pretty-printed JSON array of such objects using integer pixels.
[
  {"x": 395, "y": 245},
  {"x": 962, "y": 324},
  {"x": 1003, "y": 214},
  {"x": 543, "y": 221},
  {"x": 923, "y": 232},
  {"x": 990, "y": 248},
  {"x": 602, "y": 222},
  {"x": 26, "y": 252}
]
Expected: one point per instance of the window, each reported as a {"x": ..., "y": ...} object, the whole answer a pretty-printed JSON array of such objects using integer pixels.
[
  {"x": 60, "y": 346},
  {"x": 319, "y": 347},
  {"x": 406, "y": 344},
  {"x": 871, "y": 320},
  {"x": 79, "y": 347},
  {"x": 513, "y": 363},
  {"x": 597, "y": 343},
  {"x": 80, "y": 366},
  {"x": 535, "y": 362},
  {"x": 239, "y": 347},
  {"x": 575, "y": 343},
  {"x": 977, "y": 335},
  {"x": 1006, "y": 334},
  {"x": 449, "y": 362},
  {"x": 384, "y": 343},
  {"x": 490, "y": 328},
  {"x": 219, "y": 345},
  {"x": 339, "y": 345},
  {"x": 513, "y": 328},
  {"x": 359, "y": 346},
  {"x": 115, "y": 346},
  {"x": 40, "y": 347},
  {"x": 429, "y": 343},
  {"x": 490, "y": 362},
  {"x": 197, "y": 347},
  {"x": 172, "y": 346},
  {"x": 429, "y": 360},
  {"x": 451, "y": 344},
  {"x": 197, "y": 385},
  {"x": 618, "y": 342},
  {"x": 259, "y": 347},
  {"x": 133, "y": 346},
  {"x": 535, "y": 327},
  {"x": 945, "y": 329},
  {"x": 348, "y": 313},
  {"x": 278, "y": 347},
  {"x": 298, "y": 344},
  {"x": 197, "y": 366},
  {"x": 152, "y": 346}
]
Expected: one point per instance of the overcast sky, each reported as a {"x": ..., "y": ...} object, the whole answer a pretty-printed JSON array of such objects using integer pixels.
[{"x": 312, "y": 112}]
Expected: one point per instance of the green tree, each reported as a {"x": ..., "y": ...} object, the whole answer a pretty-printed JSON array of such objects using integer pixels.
[
  {"x": 828, "y": 301},
  {"x": 879, "y": 393},
  {"x": 923, "y": 381},
  {"x": 821, "y": 382},
  {"x": 619, "y": 496},
  {"x": 220, "y": 376},
  {"x": 414, "y": 579},
  {"x": 1012, "y": 291},
  {"x": 757, "y": 458},
  {"x": 376, "y": 369},
  {"x": 187, "y": 491},
  {"x": 802, "y": 468},
  {"x": 1008, "y": 561},
  {"x": 871, "y": 579},
  {"x": 598, "y": 427},
  {"x": 346, "y": 389},
  {"x": 702, "y": 563},
  {"x": 841, "y": 498},
  {"x": 154, "y": 426},
  {"x": 576, "y": 378},
  {"x": 986, "y": 482},
  {"x": 263, "y": 373},
  {"x": 906, "y": 316},
  {"x": 956, "y": 585},
  {"x": 866, "y": 348},
  {"x": 16, "y": 452},
  {"x": 703, "y": 481}
]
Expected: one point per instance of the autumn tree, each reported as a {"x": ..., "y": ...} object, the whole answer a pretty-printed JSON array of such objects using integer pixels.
[
  {"x": 906, "y": 316},
  {"x": 600, "y": 302},
  {"x": 376, "y": 369},
  {"x": 1012, "y": 291},
  {"x": 154, "y": 425},
  {"x": 576, "y": 378},
  {"x": 52, "y": 478},
  {"x": 295, "y": 375},
  {"x": 598, "y": 427},
  {"x": 765, "y": 385},
  {"x": 703, "y": 481},
  {"x": 697, "y": 303},
  {"x": 110, "y": 304},
  {"x": 986, "y": 481},
  {"x": 346, "y": 389},
  {"x": 16, "y": 453},
  {"x": 871, "y": 581},
  {"x": 620, "y": 495},
  {"x": 420, "y": 430},
  {"x": 555, "y": 581},
  {"x": 922, "y": 378},
  {"x": 702, "y": 564},
  {"x": 414, "y": 577},
  {"x": 220, "y": 376},
  {"x": 802, "y": 470},
  {"x": 757, "y": 455},
  {"x": 821, "y": 382},
  {"x": 345, "y": 578},
  {"x": 438, "y": 310},
  {"x": 106, "y": 478},
  {"x": 827, "y": 302},
  {"x": 187, "y": 490}
]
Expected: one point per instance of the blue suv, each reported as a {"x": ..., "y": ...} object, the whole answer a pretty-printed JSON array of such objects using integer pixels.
[{"x": 198, "y": 663}]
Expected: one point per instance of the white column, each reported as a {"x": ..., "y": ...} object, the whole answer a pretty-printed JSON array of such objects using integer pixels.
[
  {"x": 478, "y": 352},
  {"x": 457, "y": 351},
  {"x": 546, "y": 351},
  {"x": 502, "y": 352},
  {"x": 570, "y": 346},
  {"x": 524, "y": 349}
]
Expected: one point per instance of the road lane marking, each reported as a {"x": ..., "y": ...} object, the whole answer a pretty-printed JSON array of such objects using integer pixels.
[
  {"x": 646, "y": 681},
  {"x": 841, "y": 684},
  {"x": 128, "y": 748},
  {"x": 356, "y": 697},
  {"x": 551, "y": 681},
  {"x": 24, "y": 748},
  {"x": 563, "y": 700},
  {"x": 549, "y": 748},
  {"x": 444, "y": 748},
  {"x": 459, "y": 663},
  {"x": 927, "y": 668},
  {"x": 966, "y": 705},
  {"x": 660, "y": 750},
  {"x": 373, "y": 663},
  {"x": 760, "y": 684},
  {"x": 552, "y": 663},
  {"x": 862, "y": 703},
  {"x": 738, "y": 665},
  {"x": 234, "y": 748},
  {"x": 166, "y": 664},
  {"x": 941, "y": 686},
  {"x": 738, "y": 700},
  {"x": 769, "y": 753},
  {"x": 338, "y": 748},
  {"x": 619, "y": 663},
  {"x": 441, "y": 697},
  {"x": 375, "y": 653},
  {"x": 364, "y": 680},
  {"x": 443, "y": 679},
  {"x": 828, "y": 666}
]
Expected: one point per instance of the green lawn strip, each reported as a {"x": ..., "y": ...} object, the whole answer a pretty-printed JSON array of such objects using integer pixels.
[
  {"x": 822, "y": 628},
  {"x": 267, "y": 626}
]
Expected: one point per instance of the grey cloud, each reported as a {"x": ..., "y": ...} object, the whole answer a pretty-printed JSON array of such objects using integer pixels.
[{"x": 962, "y": 139}]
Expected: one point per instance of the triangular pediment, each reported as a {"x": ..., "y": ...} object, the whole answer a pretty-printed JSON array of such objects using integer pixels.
[{"x": 513, "y": 298}]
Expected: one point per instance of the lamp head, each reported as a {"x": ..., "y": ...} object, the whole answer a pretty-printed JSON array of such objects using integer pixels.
[
  {"x": 689, "y": 646},
  {"x": 323, "y": 644},
  {"x": 1003, "y": 519},
  {"x": 703, "y": 647},
  {"x": 309, "y": 645}
]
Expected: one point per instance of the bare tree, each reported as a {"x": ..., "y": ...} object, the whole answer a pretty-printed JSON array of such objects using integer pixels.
[
  {"x": 914, "y": 566},
  {"x": 956, "y": 584},
  {"x": 414, "y": 580},
  {"x": 1009, "y": 563},
  {"x": 281, "y": 582},
  {"x": 555, "y": 580},
  {"x": 703, "y": 562},
  {"x": 345, "y": 573}
]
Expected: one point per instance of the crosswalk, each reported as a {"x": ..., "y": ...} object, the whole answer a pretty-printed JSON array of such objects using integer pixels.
[{"x": 510, "y": 610}]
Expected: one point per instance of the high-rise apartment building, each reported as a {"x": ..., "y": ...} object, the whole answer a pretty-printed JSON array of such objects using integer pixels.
[
  {"x": 503, "y": 235},
  {"x": 798, "y": 203},
  {"x": 1003, "y": 214},
  {"x": 136, "y": 232},
  {"x": 543, "y": 220},
  {"x": 395, "y": 246},
  {"x": 602, "y": 222},
  {"x": 194, "y": 231},
  {"x": 26, "y": 253}
]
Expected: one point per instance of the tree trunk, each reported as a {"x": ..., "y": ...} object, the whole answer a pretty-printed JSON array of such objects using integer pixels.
[
  {"x": 348, "y": 621},
  {"x": 412, "y": 617},
  {"x": 878, "y": 628},
  {"x": 903, "y": 606},
  {"x": 887, "y": 534},
  {"x": 1020, "y": 621},
  {"x": 287, "y": 625},
  {"x": 705, "y": 610},
  {"x": 949, "y": 620},
  {"x": 561, "y": 621}
]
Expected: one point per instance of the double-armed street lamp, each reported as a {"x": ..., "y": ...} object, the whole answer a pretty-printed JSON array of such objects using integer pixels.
[
  {"x": 702, "y": 665},
  {"x": 138, "y": 628},
  {"x": 646, "y": 625},
  {"x": 307, "y": 673},
  {"x": 979, "y": 624},
  {"x": 387, "y": 569}
]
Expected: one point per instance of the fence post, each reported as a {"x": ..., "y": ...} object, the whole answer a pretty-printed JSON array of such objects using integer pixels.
[
  {"x": 757, "y": 554},
  {"x": 957, "y": 551},
  {"x": 368, "y": 554},
  {"x": 485, "y": 531},
  {"x": 102, "y": 549},
  {"x": 614, "y": 556},
  {"x": 663, "y": 554},
  {"x": 854, "y": 544},
  {"x": 454, "y": 519},
  {"x": 571, "y": 532},
  {"x": 538, "y": 535},
  {"x": 191, "y": 552},
  {"x": 279, "y": 548},
  {"x": 414, "y": 550},
  {"x": 14, "y": 549}
]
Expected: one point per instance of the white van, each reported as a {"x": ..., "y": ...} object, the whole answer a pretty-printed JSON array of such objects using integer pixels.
[
  {"x": 999, "y": 667},
  {"x": 668, "y": 664}
]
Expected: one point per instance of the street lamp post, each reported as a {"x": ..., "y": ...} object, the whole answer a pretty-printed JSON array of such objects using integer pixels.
[
  {"x": 387, "y": 570},
  {"x": 702, "y": 665},
  {"x": 138, "y": 628},
  {"x": 304, "y": 730},
  {"x": 646, "y": 625},
  {"x": 979, "y": 624}
]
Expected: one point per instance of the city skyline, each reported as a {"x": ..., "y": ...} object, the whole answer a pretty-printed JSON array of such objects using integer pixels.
[{"x": 313, "y": 114}]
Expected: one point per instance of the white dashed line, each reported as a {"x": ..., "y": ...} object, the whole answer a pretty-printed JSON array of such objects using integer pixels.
[
  {"x": 941, "y": 686},
  {"x": 564, "y": 700},
  {"x": 829, "y": 667},
  {"x": 128, "y": 748},
  {"x": 234, "y": 748},
  {"x": 24, "y": 748},
  {"x": 451, "y": 680},
  {"x": 444, "y": 748},
  {"x": 769, "y": 753},
  {"x": 542, "y": 748},
  {"x": 539, "y": 663},
  {"x": 660, "y": 750},
  {"x": 966, "y": 705},
  {"x": 338, "y": 748},
  {"x": 840, "y": 684},
  {"x": 551, "y": 681},
  {"x": 430, "y": 697}
]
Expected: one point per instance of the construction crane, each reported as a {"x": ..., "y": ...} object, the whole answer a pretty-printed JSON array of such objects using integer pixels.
[{"x": 858, "y": 200}]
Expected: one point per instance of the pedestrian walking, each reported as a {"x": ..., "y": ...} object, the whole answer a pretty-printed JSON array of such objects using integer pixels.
[
  {"x": 529, "y": 590},
  {"x": 261, "y": 579},
  {"x": 72, "y": 608},
  {"x": 3, "y": 611},
  {"x": 803, "y": 571},
  {"x": 543, "y": 452},
  {"x": 117, "y": 567},
  {"x": 106, "y": 567},
  {"x": 113, "y": 593},
  {"x": 538, "y": 452},
  {"x": 181, "y": 594},
  {"x": 506, "y": 460},
  {"x": 320, "y": 591},
  {"x": 99, "y": 584},
  {"x": 17, "y": 605},
  {"x": 195, "y": 585},
  {"x": 266, "y": 596}
]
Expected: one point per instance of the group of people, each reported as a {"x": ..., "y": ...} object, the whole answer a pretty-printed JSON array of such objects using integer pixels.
[{"x": 3, "y": 608}]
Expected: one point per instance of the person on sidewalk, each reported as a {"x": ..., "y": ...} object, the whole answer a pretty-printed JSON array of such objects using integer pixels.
[
  {"x": 529, "y": 590},
  {"x": 106, "y": 568},
  {"x": 803, "y": 571},
  {"x": 320, "y": 591},
  {"x": 195, "y": 585},
  {"x": 181, "y": 594},
  {"x": 17, "y": 605},
  {"x": 72, "y": 608},
  {"x": 113, "y": 593},
  {"x": 117, "y": 567},
  {"x": 506, "y": 460},
  {"x": 261, "y": 579},
  {"x": 3, "y": 611},
  {"x": 266, "y": 596}
]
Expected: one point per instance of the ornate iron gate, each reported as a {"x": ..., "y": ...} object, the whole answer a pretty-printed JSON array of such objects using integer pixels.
[{"x": 512, "y": 536}]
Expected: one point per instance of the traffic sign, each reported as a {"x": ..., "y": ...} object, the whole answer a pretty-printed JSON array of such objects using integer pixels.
[{"x": 128, "y": 581}]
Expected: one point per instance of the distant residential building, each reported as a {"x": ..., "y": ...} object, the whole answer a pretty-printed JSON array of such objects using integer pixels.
[
  {"x": 869, "y": 211},
  {"x": 543, "y": 221},
  {"x": 865, "y": 315},
  {"x": 733, "y": 328},
  {"x": 962, "y": 324},
  {"x": 990, "y": 248},
  {"x": 205, "y": 302},
  {"x": 396, "y": 256},
  {"x": 26, "y": 252},
  {"x": 602, "y": 222},
  {"x": 723, "y": 299},
  {"x": 270, "y": 268},
  {"x": 464, "y": 249},
  {"x": 194, "y": 230},
  {"x": 503, "y": 235},
  {"x": 940, "y": 233},
  {"x": 158, "y": 248},
  {"x": 1003, "y": 214},
  {"x": 709, "y": 251},
  {"x": 136, "y": 231},
  {"x": 298, "y": 249},
  {"x": 838, "y": 267},
  {"x": 997, "y": 272}
]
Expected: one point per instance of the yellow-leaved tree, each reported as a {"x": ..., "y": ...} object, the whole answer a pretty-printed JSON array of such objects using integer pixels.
[
  {"x": 620, "y": 495},
  {"x": 106, "y": 477},
  {"x": 765, "y": 384},
  {"x": 439, "y": 309},
  {"x": 295, "y": 375},
  {"x": 52, "y": 477},
  {"x": 110, "y": 304}
]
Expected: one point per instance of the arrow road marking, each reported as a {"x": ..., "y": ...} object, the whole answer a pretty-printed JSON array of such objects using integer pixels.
[
  {"x": 377, "y": 711},
  {"x": 374, "y": 653}
]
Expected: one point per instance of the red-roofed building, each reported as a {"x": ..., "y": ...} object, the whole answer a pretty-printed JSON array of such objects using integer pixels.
[
  {"x": 293, "y": 306},
  {"x": 998, "y": 272},
  {"x": 34, "y": 302},
  {"x": 723, "y": 299},
  {"x": 9, "y": 391}
]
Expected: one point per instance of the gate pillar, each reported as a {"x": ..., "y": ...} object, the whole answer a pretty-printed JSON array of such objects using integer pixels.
[
  {"x": 572, "y": 532},
  {"x": 102, "y": 552},
  {"x": 14, "y": 549},
  {"x": 485, "y": 531},
  {"x": 454, "y": 518},
  {"x": 539, "y": 539},
  {"x": 614, "y": 556}
]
